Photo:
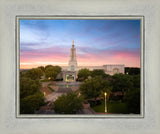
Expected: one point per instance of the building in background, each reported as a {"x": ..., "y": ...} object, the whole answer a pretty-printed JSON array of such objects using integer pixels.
[{"x": 70, "y": 72}]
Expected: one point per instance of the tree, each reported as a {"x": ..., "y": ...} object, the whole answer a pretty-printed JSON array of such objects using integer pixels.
[
  {"x": 30, "y": 103},
  {"x": 98, "y": 72},
  {"x": 48, "y": 66},
  {"x": 132, "y": 99},
  {"x": 68, "y": 104},
  {"x": 52, "y": 72},
  {"x": 30, "y": 96},
  {"x": 107, "y": 88},
  {"x": 83, "y": 74},
  {"x": 122, "y": 82},
  {"x": 42, "y": 68},
  {"x": 93, "y": 88},
  {"x": 34, "y": 73},
  {"x": 28, "y": 86},
  {"x": 57, "y": 69},
  {"x": 136, "y": 81},
  {"x": 132, "y": 70}
]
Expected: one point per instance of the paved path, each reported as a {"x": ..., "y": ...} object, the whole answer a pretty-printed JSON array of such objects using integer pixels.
[
  {"x": 52, "y": 97},
  {"x": 64, "y": 90}
]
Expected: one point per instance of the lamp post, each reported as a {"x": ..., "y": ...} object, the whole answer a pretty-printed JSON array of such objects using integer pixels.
[
  {"x": 105, "y": 94},
  {"x": 79, "y": 94},
  {"x": 44, "y": 93}
]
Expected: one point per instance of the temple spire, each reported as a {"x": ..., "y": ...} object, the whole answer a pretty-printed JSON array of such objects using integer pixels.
[
  {"x": 72, "y": 43},
  {"x": 73, "y": 60}
]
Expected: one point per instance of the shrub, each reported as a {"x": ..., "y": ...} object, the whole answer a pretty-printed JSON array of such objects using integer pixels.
[
  {"x": 132, "y": 99},
  {"x": 31, "y": 103},
  {"x": 28, "y": 86},
  {"x": 116, "y": 98},
  {"x": 68, "y": 104}
]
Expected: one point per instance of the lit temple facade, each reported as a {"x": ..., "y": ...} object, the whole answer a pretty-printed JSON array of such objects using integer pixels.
[{"x": 70, "y": 72}]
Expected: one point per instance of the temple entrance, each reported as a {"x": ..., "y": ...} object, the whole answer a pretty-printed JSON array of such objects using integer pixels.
[
  {"x": 69, "y": 78},
  {"x": 115, "y": 70}
]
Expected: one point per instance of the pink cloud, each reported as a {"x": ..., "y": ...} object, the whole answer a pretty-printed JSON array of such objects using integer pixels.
[
  {"x": 113, "y": 57},
  {"x": 56, "y": 55}
]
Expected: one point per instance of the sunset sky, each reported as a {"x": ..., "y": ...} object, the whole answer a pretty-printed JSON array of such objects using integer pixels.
[{"x": 97, "y": 42}]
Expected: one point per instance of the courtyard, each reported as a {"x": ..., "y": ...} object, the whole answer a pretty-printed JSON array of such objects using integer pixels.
[
  {"x": 58, "y": 88},
  {"x": 53, "y": 89}
]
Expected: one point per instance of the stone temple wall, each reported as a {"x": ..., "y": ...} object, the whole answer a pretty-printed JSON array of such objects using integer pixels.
[
  {"x": 109, "y": 69},
  {"x": 112, "y": 69},
  {"x": 91, "y": 68}
]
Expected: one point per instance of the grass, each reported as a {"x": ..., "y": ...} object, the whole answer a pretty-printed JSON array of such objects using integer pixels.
[
  {"x": 50, "y": 88},
  {"x": 114, "y": 107},
  {"x": 45, "y": 80}
]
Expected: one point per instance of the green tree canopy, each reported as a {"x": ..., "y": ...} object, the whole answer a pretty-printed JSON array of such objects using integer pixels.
[
  {"x": 132, "y": 70},
  {"x": 136, "y": 81},
  {"x": 98, "y": 72},
  {"x": 30, "y": 96},
  {"x": 47, "y": 66},
  {"x": 68, "y": 104},
  {"x": 93, "y": 88},
  {"x": 52, "y": 72},
  {"x": 42, "y": 68},
  {"x": 28, "y": 86},
  {"x": 107, "y": 87},
  {"x": 57, "y": 68},
  {"x": 30, "y": 103},
  {"x": 34, "y": 73},
  {"x": 83, "y": 74},
  {"x": 122, "y": 82},
  {"x": 132, "y": 98}
]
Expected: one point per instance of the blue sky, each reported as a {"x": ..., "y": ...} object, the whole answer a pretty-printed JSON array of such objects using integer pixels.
[{"x": 97, "y": 42}]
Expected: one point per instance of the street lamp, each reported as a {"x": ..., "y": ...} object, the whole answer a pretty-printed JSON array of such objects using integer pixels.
[
  {"x": 79, "y": 94},
  {"x": 105, "y": 94},
  {"x": 44, "y": 93}
]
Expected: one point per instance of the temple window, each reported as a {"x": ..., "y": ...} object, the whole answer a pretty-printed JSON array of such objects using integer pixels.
[{"x": 72, "y": 68}]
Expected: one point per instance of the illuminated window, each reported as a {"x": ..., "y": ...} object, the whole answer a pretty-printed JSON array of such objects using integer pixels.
[{"x": 72, "y": 68}]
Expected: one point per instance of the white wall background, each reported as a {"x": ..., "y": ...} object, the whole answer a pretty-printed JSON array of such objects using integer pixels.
[{"x": 9, "y": 124}]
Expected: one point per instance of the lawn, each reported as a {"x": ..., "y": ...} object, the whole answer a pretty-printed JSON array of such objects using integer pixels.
[
  {"x": 45, "y": 80},
  {"x": 112, "y": 107}
]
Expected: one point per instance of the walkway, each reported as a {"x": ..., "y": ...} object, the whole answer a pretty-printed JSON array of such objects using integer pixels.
[
  {"x": 60, "y": 88},
  {"x": 64, "y": 90},
  {"x": 52, "y": 97}
]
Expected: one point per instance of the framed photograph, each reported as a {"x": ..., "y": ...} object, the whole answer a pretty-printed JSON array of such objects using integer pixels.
[
  {"x": 103, "y": 73},
  {"x": 79, "y": 67}
]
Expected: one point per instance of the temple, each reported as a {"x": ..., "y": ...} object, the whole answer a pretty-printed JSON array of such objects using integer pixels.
[
  {"x": 73, "y": 61},
  {"x": 70, "y": 72}
]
